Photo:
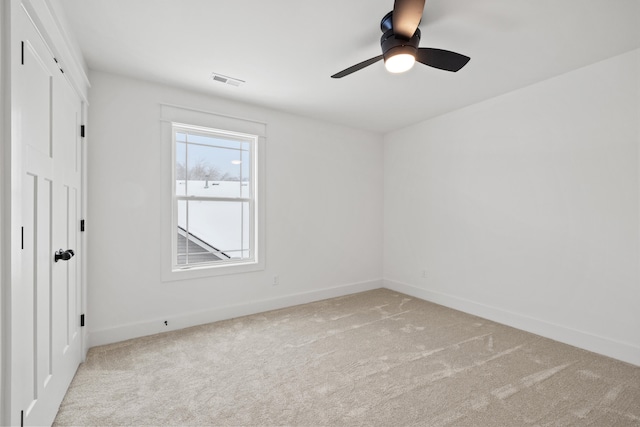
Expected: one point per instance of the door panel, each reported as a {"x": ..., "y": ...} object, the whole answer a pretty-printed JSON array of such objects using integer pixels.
[
  {"x": 27, "y": 394},
  {"x": 45, "y": 297},
  {"x": 66, "y": 216},
  {"x": 42, "y": 283},
  {"x": 39, "y": 75}
]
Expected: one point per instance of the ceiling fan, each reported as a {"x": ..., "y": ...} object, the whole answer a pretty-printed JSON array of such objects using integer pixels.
[{"x": 400, "y": 40}]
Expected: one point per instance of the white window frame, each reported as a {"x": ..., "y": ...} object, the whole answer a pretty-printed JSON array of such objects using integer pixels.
[{"x": 203, "y": 121}]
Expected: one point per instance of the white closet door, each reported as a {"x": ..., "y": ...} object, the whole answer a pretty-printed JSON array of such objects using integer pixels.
[{"x": 45, "y": 296}]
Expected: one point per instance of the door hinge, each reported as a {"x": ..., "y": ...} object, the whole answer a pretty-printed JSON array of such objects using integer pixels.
[
  {"x": 82, "y": 131},
  {"x": 22, "y": 54},
  {"x": 82, "y": 225},
  {"x": 82, "y": 320}
]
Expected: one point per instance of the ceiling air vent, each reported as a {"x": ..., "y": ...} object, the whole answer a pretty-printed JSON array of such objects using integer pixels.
[{"x": 226, "y": 79}]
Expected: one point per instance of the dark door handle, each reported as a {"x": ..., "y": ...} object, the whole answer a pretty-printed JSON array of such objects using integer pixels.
[{"x": 63, "y": 255}]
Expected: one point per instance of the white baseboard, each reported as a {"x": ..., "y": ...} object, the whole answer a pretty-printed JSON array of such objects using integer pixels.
[
  {"x": 155, "y": 326},
  {"x": 625, "y": 352},
  {"x": 618, "y": 350}
]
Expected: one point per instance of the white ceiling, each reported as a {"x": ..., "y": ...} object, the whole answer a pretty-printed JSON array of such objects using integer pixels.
[{"x": 286, "y": 50}]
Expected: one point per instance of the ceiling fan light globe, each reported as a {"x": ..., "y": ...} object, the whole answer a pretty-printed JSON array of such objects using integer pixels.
[{"x": 399, "y": 63}]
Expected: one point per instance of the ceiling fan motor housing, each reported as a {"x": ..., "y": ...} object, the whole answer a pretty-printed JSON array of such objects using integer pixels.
[{"x": 393, "y": 44}]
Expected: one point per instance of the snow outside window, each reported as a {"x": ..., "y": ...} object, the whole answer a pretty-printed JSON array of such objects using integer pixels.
[{"x": 214, "y": 204}]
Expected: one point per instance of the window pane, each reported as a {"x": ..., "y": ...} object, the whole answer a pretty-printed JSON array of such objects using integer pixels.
[
  {"x": 211, "y": 166},
  {"x": 227, "y": 141},
  {"x": 212, "y": 231},
  {"x": 182, "y": 234},
  {"x": 181, "y": 168},
  {"x": 217, "y": 172},
  {"x": 245, "y": 171},
  {"x": 247, "y": 220}
]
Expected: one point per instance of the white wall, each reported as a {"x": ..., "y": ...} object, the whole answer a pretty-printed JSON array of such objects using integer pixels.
[
  {"x": 5, "y": 207},
  {"x": 524, "y": 208},
  {"x": 323, "y": 201}
]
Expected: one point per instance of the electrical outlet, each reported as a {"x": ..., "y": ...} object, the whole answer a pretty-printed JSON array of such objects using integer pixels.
[{"x": 276, "y": 280}]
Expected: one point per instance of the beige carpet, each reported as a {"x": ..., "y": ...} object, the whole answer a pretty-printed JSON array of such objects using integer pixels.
[{"x": 375, "y": 358}]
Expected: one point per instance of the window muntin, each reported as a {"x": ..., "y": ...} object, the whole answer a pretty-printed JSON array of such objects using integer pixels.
[{"x": 214, "y": 221}]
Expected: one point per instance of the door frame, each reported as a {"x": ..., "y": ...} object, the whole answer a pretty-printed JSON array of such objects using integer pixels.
[
  {"x": 48, "y": 17},
  {"x": 5, "y": 208}
]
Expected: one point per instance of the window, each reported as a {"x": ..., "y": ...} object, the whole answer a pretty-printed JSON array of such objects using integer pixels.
[
  {"x": 213, "y": 207},
  {"x": 214, "y": 204}
]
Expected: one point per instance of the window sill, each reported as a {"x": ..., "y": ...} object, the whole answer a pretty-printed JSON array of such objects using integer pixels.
[{"x": 171, "y": 275}]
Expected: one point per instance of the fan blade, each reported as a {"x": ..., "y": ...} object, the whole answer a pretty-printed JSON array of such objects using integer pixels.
[
  {"x": 356, "y": 67},
  {"x": 407, "y": 15},
  {"x": 442, "y": 59}
]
